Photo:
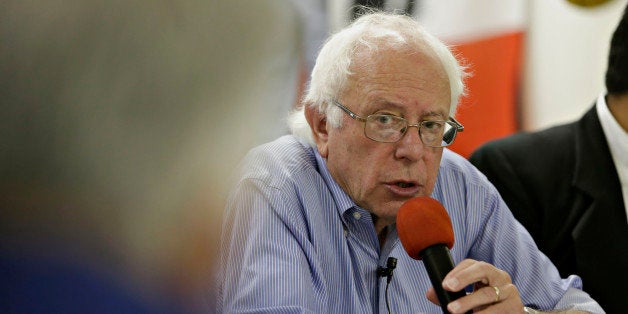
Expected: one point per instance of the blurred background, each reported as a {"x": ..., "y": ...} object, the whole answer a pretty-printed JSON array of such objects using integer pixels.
[
  {"x": 123, "y": 119},
  {"x": 535, "y": 63}
]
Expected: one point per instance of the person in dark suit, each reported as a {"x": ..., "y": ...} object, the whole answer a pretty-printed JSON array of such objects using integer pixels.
[{"x": 568, "y": 185}]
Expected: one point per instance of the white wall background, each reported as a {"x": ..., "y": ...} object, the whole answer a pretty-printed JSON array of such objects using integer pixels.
[
  {"x": 565, "y": 59},
  {"x": 566, "y": 49}
]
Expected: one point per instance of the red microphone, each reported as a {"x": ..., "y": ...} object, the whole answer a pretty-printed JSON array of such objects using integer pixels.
[{"x": 425, "y": 231}]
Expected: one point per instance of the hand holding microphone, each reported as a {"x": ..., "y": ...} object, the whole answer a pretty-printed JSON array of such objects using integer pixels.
[
  {"x": 493, "y": 291},
  {"x": 426, "y": 233}
]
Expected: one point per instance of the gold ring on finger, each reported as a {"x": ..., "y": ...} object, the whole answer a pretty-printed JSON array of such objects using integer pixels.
[{"x": 496, "y": 293}]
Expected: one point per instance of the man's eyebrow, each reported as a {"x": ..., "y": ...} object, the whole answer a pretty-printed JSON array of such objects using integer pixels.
[
  {"x": 434, "y": 114},
  {"x": 381, "y": 104},
  {"x": 387, "y": 103}
]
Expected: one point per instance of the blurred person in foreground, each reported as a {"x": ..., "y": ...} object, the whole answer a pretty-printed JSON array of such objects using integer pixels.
[
  {"x": 312, "y": 214},
  {"x": 115, "y": 121},
  {"x": 568, "y": 185}
]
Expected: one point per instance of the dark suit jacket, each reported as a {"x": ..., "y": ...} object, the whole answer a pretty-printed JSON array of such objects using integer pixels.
[{"x": 562, "y": 185}]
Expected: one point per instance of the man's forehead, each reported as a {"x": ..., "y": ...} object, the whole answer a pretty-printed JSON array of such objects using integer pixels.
[
  {"x": 394, "y": 66},
  {"x": 367, "y": 56},
  {"x": 404, "y": 108}
]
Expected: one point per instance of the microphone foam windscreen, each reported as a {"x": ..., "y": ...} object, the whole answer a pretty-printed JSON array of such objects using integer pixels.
[{"x": 421, "y": 223}]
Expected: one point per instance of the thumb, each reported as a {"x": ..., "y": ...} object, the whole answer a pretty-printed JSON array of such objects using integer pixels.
[{"x": 431, "y": 295}]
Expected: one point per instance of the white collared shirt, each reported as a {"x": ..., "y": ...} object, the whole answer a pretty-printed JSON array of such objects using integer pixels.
[{"x": 617, "y": 139}]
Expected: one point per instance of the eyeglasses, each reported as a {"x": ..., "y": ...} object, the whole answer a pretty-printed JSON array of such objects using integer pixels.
[{"x": 389, "y": 128}]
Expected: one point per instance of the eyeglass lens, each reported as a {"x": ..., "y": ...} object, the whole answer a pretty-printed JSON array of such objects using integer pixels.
[{"x": 389, "y": 128}]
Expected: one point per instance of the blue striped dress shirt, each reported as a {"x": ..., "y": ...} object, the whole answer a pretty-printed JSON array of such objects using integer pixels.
[{"x": 294, "y": 242}]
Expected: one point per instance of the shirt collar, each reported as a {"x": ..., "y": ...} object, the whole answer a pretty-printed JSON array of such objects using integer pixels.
[
  {"x": 615, "y": 135},
  {"x": 342, "y": 200},
  {"x": 347, "y": 207}
]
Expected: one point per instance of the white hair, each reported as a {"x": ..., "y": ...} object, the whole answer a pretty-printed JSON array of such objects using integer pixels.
[{"x": 372, "y": 32}]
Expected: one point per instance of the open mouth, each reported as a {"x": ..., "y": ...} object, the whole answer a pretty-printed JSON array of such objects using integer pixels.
[
  {"x": 405, "y": 184},
  {"x": 404, "y": 189}
]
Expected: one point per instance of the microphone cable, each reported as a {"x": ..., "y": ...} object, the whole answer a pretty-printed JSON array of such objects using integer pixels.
[{"x": 391, "y": 264}]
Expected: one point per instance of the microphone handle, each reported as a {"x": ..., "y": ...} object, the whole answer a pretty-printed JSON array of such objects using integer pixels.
[{"x": 438, "y": 264}]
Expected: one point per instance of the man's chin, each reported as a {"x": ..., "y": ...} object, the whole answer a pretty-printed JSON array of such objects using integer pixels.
[{"x": 389, "y": 212}]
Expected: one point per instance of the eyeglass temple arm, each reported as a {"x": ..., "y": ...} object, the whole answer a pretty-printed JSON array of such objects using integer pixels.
[
  {"x": 349, "y": 112},
  {"x": 459, "y": 127}
]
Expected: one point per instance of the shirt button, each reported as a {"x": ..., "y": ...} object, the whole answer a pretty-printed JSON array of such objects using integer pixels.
[{"x": 357, "y": 215}]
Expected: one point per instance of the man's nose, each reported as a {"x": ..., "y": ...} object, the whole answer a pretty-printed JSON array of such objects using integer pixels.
[{"x": 410, "y": 146}]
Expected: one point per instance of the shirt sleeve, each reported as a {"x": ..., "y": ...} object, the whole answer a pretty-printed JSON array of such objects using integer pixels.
[
  {"x": 576, "y": 299},
  {"x": 505, "y": 243},
  {"x": 264, "y": 268}
]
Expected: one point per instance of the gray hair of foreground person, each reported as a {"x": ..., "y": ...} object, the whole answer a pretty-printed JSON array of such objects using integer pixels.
[{"x": 370, "y": 33}]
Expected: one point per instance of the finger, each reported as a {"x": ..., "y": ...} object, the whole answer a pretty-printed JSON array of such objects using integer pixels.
[
  {"x": 451, "y": 281},
  {"x": 475, "y": 272},
  {"x": 478, "y": 285},
  {"x": 509, "y": 303},
  {"x": 461, "y": 266},
  {"x": 487, "y": 298},
  {"x": 498, "y": 308}
]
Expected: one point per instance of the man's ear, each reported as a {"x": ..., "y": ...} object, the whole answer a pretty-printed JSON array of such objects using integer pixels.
[{"x": 318, "y": 124}]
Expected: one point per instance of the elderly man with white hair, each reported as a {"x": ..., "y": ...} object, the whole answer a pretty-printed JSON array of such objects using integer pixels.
[{"x": 313, "y": 214}]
